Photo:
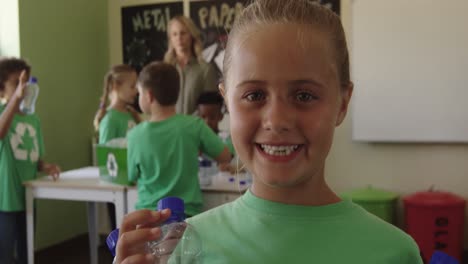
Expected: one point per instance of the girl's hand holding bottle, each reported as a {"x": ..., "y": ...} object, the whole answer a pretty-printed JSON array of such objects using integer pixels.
[{"x": 137, "y": 229}]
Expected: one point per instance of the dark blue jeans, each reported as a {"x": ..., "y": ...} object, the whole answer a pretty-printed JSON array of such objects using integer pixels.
[{"x": 13, "y": 237}]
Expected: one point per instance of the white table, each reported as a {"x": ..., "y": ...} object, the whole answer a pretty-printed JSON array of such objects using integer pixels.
[
  {"x": 84, "y": 185},
  {"x": 219, "y": 192},
  {"x": 75, "y": 185}
]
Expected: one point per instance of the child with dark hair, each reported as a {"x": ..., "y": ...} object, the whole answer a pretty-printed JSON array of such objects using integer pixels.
[
  {"x": 210, "y": 108},
  {"x": 163, "y": 152},
  {"x": 21, "y": 152}
]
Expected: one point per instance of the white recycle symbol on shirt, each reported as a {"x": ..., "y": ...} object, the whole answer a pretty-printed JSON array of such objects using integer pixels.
[
  {"x": 17, "y": 139},
  {"x": 112, "y": 166}
]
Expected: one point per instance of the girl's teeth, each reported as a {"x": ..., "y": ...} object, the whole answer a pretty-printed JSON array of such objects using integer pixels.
[{"x": 279, "y": 150}]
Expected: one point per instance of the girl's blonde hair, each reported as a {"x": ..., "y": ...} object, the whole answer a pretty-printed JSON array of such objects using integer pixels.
[
  {"x": 197, "y": 46},
  {"x": 301, "y": 12},
  {"x": 114, "y": 75}
]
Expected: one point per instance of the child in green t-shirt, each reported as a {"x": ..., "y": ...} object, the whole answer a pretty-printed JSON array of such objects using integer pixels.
[
  {"x": 115, "y": 120},
  {"x": 210, "y": 108},
  {"x": 21, "y": 151},
  {"x": 287, "y": 86},
  {"x": 163, "y": 152}
]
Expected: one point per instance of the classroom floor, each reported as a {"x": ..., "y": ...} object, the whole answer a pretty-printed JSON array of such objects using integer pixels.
[{"x": 74, "y": 251}]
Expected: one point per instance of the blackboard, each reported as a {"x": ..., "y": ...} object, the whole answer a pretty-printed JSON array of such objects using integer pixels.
[
  {"x": 332, "y": 4},
  {"x": 144, "y": 32},
  {"x": 214, "y": 18}
]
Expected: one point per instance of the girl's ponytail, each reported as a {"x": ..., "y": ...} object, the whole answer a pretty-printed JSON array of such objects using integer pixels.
[{"x": 101, "y": 112}]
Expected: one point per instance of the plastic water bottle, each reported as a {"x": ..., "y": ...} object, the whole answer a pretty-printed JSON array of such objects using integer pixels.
[
  {"x": 204, "y": 171},
  {"x": 111, "y": 241},
  {"x": 28, "y": 104},
  {"x": 179, "y": 242}
]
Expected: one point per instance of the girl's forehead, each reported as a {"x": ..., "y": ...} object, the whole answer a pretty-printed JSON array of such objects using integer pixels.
[
  {"x": 128, "y": 75},
  {"x": 286, "y": 37},
  {"x": 285, "y": 51}
]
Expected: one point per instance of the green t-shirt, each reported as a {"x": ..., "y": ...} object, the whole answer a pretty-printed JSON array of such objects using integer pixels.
[
  {"x": 20, "y": 151},
  {"x": 163, "y": 160},
  {"x": 115, "y": 124},
  {"x": 253, "y": 230}
]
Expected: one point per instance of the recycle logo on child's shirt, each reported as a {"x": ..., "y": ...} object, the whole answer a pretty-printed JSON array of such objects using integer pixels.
[
  {"x": 24, "y": 142},
  {"x": 112, "y": 166}
]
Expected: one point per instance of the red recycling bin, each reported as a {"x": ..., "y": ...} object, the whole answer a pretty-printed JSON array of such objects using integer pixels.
[{"x": 435, "y": 221}]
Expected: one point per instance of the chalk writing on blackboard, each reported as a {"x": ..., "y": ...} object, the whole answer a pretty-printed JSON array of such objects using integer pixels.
[
  {"x": 215, "y": 18},
  {"x": 144, "y": 28}
]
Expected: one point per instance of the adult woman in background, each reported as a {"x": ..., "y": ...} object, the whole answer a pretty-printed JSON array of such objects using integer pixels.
[{"x": 185, "y": 52}]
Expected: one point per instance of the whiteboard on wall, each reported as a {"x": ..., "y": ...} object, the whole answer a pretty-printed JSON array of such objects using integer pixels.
[{"x": 409, "y": 63}]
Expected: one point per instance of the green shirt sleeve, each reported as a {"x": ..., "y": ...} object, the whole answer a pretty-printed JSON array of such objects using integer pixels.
[
  {"x": 106, "y": 130},
  {"x": 412, "y": 254},
  {"x": 40, "y": 139},
  {"x": 210, "y": 143},
  {"x": 132, "y": 158}
]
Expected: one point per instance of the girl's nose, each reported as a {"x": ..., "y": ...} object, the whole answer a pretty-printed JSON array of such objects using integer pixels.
[{"x": 278, "y": 116}]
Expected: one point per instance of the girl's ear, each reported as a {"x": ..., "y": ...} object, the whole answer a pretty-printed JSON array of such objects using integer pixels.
[
  {"x": 222, "y": 91},
  {"x": 346, "y": 94}
]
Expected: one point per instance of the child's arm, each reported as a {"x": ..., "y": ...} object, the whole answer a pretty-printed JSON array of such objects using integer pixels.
[
  {"x": 211, "y": 144},
  {"x": 136, "y": 116},
  {"x": 225, "y": 156},
  {"x": 12, "y": 106},
  {"x": 50, "y": 169}
]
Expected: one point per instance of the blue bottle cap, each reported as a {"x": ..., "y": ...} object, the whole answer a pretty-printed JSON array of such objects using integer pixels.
[
  {"x": 440, "y": 257},
  {"x": 204, "y": 163},
  {"x": 242, "y": 182},
  {"x": 33, "y": 79},
  {"x": 177, "y": 208},
  {"x": 111, "y": 241}
]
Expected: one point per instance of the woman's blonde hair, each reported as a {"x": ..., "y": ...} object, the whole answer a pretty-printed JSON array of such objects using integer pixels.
[
  {"x": 114, "y": 75},
  {"x": 301, "y": 12},
  {"x": 197, "y": 46}
]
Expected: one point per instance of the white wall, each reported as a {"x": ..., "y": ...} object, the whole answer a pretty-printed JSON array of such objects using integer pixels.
[
  {"x": 410, "y": 66},
  {"x": 9, "y": 28},
  {"x": 402, "y": 168}
]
